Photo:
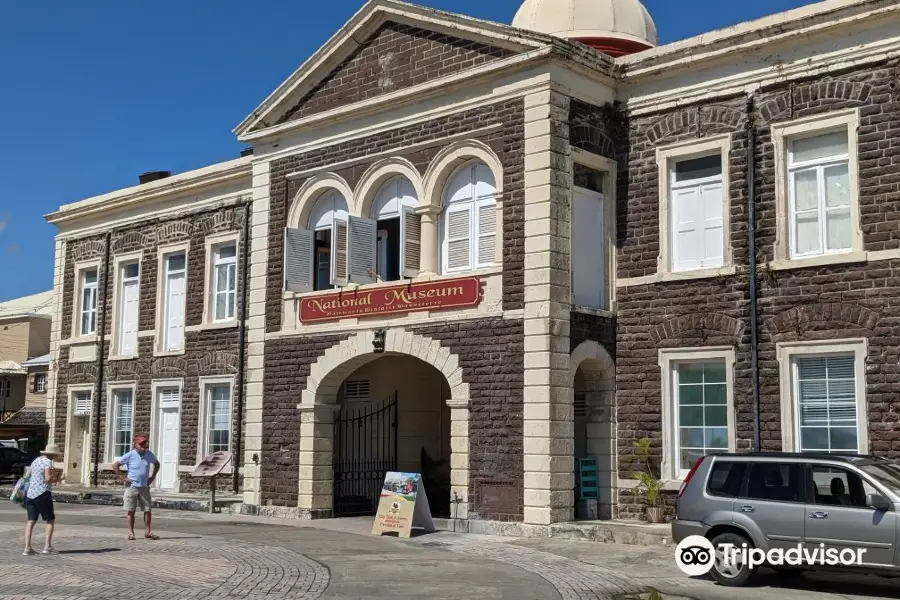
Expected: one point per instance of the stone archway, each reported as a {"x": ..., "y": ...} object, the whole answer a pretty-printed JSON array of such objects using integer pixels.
[
  {"x": 593, "y": 384},
  {"x": 319, "y": 403}
]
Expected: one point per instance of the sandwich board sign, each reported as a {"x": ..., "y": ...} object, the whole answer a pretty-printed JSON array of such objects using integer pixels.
[{"x": 403, "y": 505}]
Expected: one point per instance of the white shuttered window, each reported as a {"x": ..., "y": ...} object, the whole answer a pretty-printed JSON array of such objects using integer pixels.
[
  {"x": 122, "y": 424},
  {"x": 173, "y": 313},
  {"x": 128, "y": 309},
  {"x": 697, "y": 207},
  {"x": 825, "y": 395},
  {"x": 469, "y": 229}
]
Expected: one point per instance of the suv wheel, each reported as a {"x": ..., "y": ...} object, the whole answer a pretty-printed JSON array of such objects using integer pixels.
[{"x": 736, "y": 573}]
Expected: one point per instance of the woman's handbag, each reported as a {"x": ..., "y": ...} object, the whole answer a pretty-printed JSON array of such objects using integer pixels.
[{"x": 21, "y": 487}]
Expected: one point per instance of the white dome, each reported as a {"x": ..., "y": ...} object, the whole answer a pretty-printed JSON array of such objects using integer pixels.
[{"x": 588, "y": 19}]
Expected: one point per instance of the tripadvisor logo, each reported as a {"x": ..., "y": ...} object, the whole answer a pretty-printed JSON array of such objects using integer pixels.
[{"x": 696, "y": 555}]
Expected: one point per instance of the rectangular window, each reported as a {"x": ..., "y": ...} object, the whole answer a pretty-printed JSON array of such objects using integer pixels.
[
  {"x": 775, "y": 482},
  {"x": 174, "y": 302},
  {"x": 122, "y": 424},
  {"x": 218, "y": 418},
  {"x": 40, "y": 383},
  {"x": 701, "y": 401},
  {"x": 128, "y": 308},
  {"x": 82, "y": 403},
  {"x": 820, "y": 196},
  {"x": 696, "y": 196},
  {"x": 589, "y": 273},
  {"x": 225, "y": 282},
  {"x": 88, "y": 302},
  {"x": 826, "y": 402},
  {"x": 4, "y": 388},
  {"x": 726, "y": 478}
]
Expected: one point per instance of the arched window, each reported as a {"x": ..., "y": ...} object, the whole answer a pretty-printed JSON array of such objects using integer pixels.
[
  {"x": 315, "y": 258},
  {"x": 328, "y": 222},
  {"x": 398, "y": 229},
  {"x": 469, "y": 219}
]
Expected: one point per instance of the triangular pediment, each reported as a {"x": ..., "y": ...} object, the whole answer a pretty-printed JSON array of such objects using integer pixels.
[{"x": 385, "y": 47}]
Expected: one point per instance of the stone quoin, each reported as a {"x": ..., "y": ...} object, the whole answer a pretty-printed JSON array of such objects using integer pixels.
[{"x": 497, "y": 255}]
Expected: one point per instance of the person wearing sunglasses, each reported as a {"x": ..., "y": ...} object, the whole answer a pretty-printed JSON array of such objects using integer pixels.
[{"x": 137, "y": 480}]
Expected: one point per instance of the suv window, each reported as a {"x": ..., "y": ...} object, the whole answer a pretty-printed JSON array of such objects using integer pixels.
[
  {"x": 725, "y": 478},
  {"x": 778, "y": 482},
  {"x": 839, "y": 487}
]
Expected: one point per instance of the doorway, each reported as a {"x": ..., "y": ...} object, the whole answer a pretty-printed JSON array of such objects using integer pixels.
[
  {"x": 78, "y": 439},
  {"x": 168, "y": 425}
]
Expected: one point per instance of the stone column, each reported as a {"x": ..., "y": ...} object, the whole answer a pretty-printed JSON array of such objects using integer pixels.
[
  {"x": 548, "y": 409},
  {"x": 429, "y": 239},
  {"x": 315, "y": 492},
  {"x": 459, "y": 458},
  {"x": 256, "y": 333}
]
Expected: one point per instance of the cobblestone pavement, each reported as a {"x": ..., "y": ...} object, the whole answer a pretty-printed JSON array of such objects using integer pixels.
[{"x": 219, "y": 556}]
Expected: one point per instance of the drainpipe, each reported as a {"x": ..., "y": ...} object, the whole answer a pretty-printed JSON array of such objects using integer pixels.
[
  {"x": 242, "y": 336},
  {"x": 101, "y": 359},
  {"x": 751, "y": 233}
]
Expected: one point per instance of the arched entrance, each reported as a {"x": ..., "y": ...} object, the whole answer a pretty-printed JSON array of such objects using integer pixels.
[
  {"x": 593, "y": 379},
  {"x": 364, "y": 413}
]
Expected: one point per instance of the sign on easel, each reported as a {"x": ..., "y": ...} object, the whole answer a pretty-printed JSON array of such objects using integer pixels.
[
  {"x": 403, "y": 505},
  {"x": 210, "y": 467}
]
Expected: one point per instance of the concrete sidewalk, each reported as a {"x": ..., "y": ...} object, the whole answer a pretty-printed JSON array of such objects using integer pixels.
[{"x": 113, "y": 496}]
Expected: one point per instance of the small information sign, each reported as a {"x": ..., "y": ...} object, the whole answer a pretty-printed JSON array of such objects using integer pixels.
[
  {"x": 403, "y": 505},
  {"x": 211, "y": 466}
]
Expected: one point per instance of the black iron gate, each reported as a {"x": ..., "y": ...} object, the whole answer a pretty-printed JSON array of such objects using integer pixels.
[{"x": 365, "y": 448}]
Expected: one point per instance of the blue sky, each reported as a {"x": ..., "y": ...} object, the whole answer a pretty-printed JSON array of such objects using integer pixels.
[{"x": 93, "y": 93}]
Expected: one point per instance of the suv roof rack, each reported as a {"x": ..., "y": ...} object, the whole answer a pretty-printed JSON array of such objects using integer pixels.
[{"x": 841, "y": 456}]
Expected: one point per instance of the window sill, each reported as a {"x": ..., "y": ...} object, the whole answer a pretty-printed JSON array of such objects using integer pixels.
[
  {"x": 88, "y": 339},
  {"x": 115, "y": 357},
  {"x": 352, "y": 287},
  {"x": 598, "y": 312},
  {"x": 857, "y": 256},
  {"x": 212, "y": 326},
  {"x": 159, "y": 353},
  {"x": 666, "y": 485},
  {"x": 667, "y": 276}
]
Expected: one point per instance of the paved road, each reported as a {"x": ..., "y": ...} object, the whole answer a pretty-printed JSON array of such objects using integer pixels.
[{"x": 218, "y": 556}]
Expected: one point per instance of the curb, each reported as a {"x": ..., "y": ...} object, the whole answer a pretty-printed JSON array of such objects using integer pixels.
[{"x": 102, "y": 498}]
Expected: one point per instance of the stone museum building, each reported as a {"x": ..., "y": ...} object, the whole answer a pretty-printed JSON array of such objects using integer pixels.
[{"x": 499, "y": 256}]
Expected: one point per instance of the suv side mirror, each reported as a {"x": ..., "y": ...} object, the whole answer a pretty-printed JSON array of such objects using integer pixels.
[{"x": 877, "y": 501}]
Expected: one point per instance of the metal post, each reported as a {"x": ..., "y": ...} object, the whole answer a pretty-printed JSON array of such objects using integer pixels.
[{"x": 212, "y": 494}]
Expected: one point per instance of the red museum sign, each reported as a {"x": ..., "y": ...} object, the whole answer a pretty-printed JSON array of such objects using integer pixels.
[{"x": 411, "y": 297}]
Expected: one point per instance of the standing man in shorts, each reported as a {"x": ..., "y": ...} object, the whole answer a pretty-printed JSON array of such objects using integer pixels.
[
  {"x": 138, "y": 480},
  {"x": 39, "y": 501}
]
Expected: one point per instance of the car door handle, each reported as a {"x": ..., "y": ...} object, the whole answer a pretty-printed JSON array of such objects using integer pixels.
[
  {"x": 818, "y": 515},
  {"x": 747, "y": 508}
]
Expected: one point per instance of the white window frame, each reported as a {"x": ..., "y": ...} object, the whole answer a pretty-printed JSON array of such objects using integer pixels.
[
  {"x": 668, "y": 360},
  {"x": 40, "y": 377},
  {"x": 202, "y": 434},
  {"x": 119, "y": 263},
  {"x": 163, "y": 254},
  {"x": 111, "y": 389},
  {"x": 782, "y": 135},
  {"x": 472, "y": 206},
  {"x": 213, "y": 243},
  {"x": 607, "y": 166},
  {"x": 790, "y": 420},
  {"x": 78, "y": 289},
  {"x": 666, "y": 157}
]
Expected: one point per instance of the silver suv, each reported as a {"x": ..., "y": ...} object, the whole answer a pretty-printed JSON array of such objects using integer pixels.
[{"x": 785, "y": 501}]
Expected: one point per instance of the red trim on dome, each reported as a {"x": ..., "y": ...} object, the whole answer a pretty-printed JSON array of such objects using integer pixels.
[{"x": 614, "y": 46}]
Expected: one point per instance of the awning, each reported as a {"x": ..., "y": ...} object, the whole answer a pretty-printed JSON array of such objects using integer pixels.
[
  {"x": 11, "y": 367},
  {"x": 37, "y": 361}
]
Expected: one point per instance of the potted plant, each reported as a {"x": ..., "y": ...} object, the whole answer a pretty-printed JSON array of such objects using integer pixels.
[{"x": 648, "y": 483}]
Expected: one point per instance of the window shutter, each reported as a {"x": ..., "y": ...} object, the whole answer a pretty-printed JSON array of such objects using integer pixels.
[
  {"x": 363, "y": 236},
  {"x": 487, "y": 233},
  {"x": 175, "y": 319},
  {"x": 299, "y": 246},
  {"x": 34, "y": 385},
  {"x": 458, "y": 238},
  {"x": 687, "y": 236},
  {"x": 339, "y": 250},
  {"x": 713, "y": 232},
  {"x": 411, "y": 242},
  {"x": 82, "y": 403},
  {"x": 129, "y": 317}
]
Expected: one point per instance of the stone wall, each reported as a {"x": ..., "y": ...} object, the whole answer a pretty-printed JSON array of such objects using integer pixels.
[
  {"x": 208, "y": 352},
  {"x": 395, "y": 57},
  {"x": 828, "y": 302}
]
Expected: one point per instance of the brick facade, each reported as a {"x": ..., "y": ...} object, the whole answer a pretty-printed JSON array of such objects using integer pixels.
[
  {"x": 829, "y": 302},
  {"x": 395, "y": 57},
  {"x": 208, "y": 352}
]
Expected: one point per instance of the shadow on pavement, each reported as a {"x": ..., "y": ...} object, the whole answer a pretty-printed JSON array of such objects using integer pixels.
[{"x": 93, "y": 551}]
